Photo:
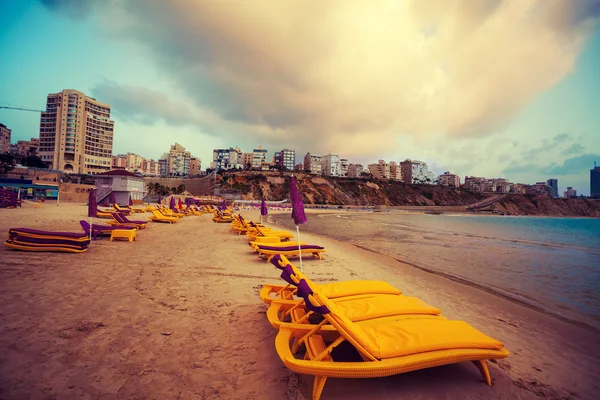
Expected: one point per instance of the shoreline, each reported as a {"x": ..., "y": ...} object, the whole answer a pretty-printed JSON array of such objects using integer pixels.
[
  {"x": 517, "y": 298},
  {"x": 177, "y": 314}
]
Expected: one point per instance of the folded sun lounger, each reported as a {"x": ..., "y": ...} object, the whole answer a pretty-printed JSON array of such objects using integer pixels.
[
  {"x": 382, "y": 349},
  {"x": 36, "y": 240},
  {"x": 308, "y": 249},
  {"x": 331, "y": 290}
]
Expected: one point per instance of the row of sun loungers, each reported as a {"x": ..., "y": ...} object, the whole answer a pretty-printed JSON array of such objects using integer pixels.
[
  {"x": 26, "y": 239},
  {"x": 360, "y": 328},
  {"x": 267, "y": 242},
  {"x": 389, "y": 333}
]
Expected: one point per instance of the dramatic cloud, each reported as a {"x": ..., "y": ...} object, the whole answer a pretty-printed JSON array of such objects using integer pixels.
[
  {"x": 571, "y": 166},
  {"x": 574, "y": 165},
  {"x": 348, "y": 74}
]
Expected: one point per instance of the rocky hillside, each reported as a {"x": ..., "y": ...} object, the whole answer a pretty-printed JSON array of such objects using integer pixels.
[
  {"x": 358, "y": 192},
  {"x": 544, "y": 205},
  {"x": 274, "y": 186}
]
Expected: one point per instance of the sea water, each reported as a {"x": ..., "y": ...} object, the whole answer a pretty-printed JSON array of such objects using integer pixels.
[{"x": 552, "y": 264}]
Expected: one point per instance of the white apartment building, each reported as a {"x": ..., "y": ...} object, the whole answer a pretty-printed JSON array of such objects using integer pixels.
[
  {"x": 227, "y": 159},
  {"x": 414, "y": 171},
  {"x": 312, "y": 163},
  {"x": 285, "y": 158},
  {"x": 330, "y": 165}
]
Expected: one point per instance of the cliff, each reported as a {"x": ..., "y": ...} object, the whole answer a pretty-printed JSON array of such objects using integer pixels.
[
  {"x": 346, "y": 191},
  {"x": 274, "y": 186},
  {"x": 544, "y": 205}
]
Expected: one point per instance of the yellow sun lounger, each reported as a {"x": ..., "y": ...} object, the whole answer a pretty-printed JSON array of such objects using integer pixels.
[
  {"x": 308, "y": 249},
  {"x": 158, "y": 217},
  {"x": 356, "y": 308},
  {"x": 257, "y": 245},
  {"x": 386, "y": 349},
  {"x": 330, "y": 290},
  {"x": 265, "y": 232}
]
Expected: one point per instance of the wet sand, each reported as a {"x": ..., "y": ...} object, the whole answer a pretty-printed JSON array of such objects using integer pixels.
[{"x": 176, "y": 315}]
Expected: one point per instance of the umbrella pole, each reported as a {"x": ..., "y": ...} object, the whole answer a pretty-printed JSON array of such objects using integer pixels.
[{"x": 299, "y": 247}]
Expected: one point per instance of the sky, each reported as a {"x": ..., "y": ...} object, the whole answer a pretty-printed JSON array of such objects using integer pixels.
[{"x": 488, "y": 88}]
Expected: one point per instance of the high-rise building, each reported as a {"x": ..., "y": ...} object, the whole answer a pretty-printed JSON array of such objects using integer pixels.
[
  {"x": 595, "y": 182},
  {"x": 285, "y": 158},
  {"x": 4, "y": 139},
  {"x": 76, "y": 133},
  {"x": 448, "y": 179},
  {"x": 553, "y": 185},
  {"x": 179, "y": 160},
  {"x": 312, "y": 163}
]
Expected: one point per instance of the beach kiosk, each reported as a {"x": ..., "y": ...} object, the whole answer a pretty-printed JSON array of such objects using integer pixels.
[{"x": 121, "y": 184}]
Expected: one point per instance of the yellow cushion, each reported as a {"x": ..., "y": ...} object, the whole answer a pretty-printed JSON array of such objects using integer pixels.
[
  {"x": 384, "y": 305},
  {"x": 350, "y": 288},
  {"x": 400, "y": 338}
]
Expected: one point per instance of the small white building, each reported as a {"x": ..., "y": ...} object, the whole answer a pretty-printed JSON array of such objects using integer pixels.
[{"x": 122, "y": 184}]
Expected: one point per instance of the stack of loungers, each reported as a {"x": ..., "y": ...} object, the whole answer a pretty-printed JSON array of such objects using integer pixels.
[
  {"x": 35, "y": 240},
  {"x": 384, "y": 332}
]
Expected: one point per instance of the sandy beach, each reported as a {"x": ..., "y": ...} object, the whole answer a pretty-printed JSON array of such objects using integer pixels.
[{"x": 176, "y": 315}]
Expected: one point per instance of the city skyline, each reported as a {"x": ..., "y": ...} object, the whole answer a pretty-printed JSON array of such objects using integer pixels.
[{"x": 461, "y": 93}]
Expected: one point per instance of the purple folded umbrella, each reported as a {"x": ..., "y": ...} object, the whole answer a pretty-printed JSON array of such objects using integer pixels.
[
  {"x": 92, "y": 205},
  {"x": 263, "y": 207},
  {"x": 297, "y": 204},
  {"x": 291, "y": 248}
]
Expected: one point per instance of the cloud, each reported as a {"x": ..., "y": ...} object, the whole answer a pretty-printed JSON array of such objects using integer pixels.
[
  {"x": 574, "y": 165},
  {"x": 575, "y": 148},
  {"x": 578, "y": 165},
  {"x": 144, "y": 106},
  {"x": 351, "y": 75}
]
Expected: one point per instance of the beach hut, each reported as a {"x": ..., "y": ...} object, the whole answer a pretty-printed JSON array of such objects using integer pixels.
[{"x": 122, "y": 185}]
